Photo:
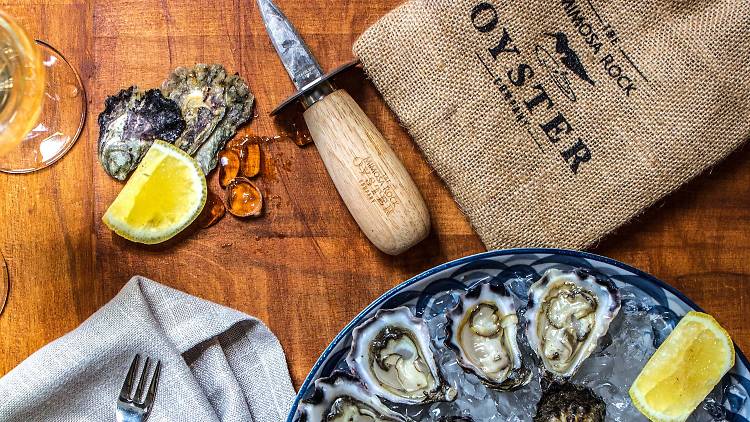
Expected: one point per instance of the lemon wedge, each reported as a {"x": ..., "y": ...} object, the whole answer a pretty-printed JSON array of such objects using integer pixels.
[
  {"x": 163, "y": 196},
  {"x": 684, "y": 369}
]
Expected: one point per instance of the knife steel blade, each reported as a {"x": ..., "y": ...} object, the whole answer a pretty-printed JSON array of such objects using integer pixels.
[{"x": 301, "y": 65}]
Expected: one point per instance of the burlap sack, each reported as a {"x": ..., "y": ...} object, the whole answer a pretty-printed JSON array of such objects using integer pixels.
[{"x": 554, "y": 122}]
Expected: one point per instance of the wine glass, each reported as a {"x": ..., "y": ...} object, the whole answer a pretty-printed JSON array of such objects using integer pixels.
[
  {"x": 42, "y": 101},
  {"x": 4, "y": 283}
]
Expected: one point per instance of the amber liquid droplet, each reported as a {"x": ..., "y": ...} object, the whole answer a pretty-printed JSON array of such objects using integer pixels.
[
  {"x": 248, "y": 150},
  {"x": 301, "y": 135},
  {"x": 293, "y": 125},
  {"x": 212, "y": 212},
  {"x": 244, "y": 198},
  {"x": 250, "y": 160},
  {"x": 229, "y": 167}
]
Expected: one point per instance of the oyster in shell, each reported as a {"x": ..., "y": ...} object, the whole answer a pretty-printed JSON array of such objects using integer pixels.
[
  {"x": 342, "y": 398},
  {"x": 213, "y": 103},
  {"x": 130, "y": 123},
  {"x": 568, "y": 312},
  {"x": 482, "y": 329},
  {"x": 563, "y": 402},
  {"x": 391, "y": 354}
]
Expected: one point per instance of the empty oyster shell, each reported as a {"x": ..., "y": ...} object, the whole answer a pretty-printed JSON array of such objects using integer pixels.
[
  {"x": 482, "y": 330},
  {"x": 391, "y": 354},
  {"x": 130, "y": 123},
  {"x": 567, "y": 402},
  {"x": 213, "y": 104},
  {"x": 568, "y": 312},
  {"x": 342, "y": 398}
]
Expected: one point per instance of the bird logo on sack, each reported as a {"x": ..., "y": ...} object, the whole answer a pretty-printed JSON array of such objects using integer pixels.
[
  {"x": 566, "y": 58},
  {"x": 532, "y": 106}
]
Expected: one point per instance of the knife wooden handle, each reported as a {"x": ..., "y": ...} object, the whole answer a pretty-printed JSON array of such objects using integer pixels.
[{"x": 375, "y": 186}]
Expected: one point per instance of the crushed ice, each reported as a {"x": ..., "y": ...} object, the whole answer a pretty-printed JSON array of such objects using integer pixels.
[{"x": 633, "y": 337}]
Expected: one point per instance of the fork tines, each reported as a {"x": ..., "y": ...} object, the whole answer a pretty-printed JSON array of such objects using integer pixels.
[{"x": 127, "y": 387}]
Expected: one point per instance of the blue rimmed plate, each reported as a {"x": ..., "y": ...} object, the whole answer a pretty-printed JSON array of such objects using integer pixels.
[{"x": 530, "y": 263}]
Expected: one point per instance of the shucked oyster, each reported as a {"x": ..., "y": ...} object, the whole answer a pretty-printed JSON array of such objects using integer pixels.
[
  {"x": 213, "y": 104},
  {"x": 568, "y": 312},
  {"x": 482, "y": 330},
  {"x": 130, "y": 122},
  {"x": 564, "y": 402},
  {"x": 391, "y": 354},
  {"x": 341, "y": 398}
]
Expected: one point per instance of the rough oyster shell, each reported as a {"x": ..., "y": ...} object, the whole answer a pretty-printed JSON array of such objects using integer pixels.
[
  {"x": 130, "y": 123},
  {"x": 342, "y": 398},
  {"x": 568, "y": 312},
  {"x": 568, "y": 402},
  {"x": 392, "y": 356},
  {"x": 213, "y": 104},
  {"x": 482, "y": 329}
]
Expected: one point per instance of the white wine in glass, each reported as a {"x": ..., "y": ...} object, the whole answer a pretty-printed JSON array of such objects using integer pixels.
[{"x": 42, "y": 101}]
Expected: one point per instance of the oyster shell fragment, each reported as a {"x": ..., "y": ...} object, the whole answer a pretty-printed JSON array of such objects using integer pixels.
[
  {"x": 568, "y": 312},
  {"x": 342, "y": 398},
  {"x": 130, "y": 123},
  {"x": 482, "y": 330},
  {"x": 563, "y": 402},
  {"x": 213, "y": 103},
  {"x": 391, "y": 354}
]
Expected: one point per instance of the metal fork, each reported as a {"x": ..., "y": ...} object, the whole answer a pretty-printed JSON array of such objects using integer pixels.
[{"x": 133, "y": 408}]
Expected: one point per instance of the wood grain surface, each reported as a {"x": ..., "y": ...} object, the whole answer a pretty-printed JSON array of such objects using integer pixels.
[{"x": 304, "y": 268}]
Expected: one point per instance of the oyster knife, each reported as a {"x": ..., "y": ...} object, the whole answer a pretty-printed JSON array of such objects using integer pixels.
[{"x": 372, "y": 182}]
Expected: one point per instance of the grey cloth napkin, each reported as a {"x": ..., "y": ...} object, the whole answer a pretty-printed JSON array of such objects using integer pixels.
[{"x": 218, "y": 364}]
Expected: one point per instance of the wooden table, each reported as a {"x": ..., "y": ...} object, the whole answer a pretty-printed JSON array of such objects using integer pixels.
[{"x": 304, "y": 268}]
